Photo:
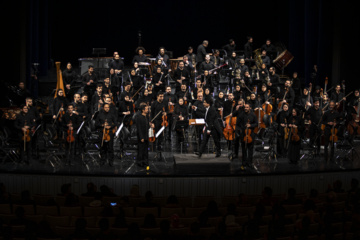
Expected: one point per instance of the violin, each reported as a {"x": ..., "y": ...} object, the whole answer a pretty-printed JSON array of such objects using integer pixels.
[
  {"x": 164, "y": 118},
  {"x": 61, "y": 113},
  {"x": 106, "y": 133},
  {"x": 70, "y": 134},
  {"x": 152, "y": 131},
  {"x": 171, "y": 107},
  {"x": 247, "y": 137},
  {"x": 333, "y": 136}
]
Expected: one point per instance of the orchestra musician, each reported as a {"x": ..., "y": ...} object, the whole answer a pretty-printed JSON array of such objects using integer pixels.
[
  {"x": 207, "y": 81},
  {"x": 201, "y": 52},
  {"x": 238, "y": 94},
  {"x": 69, "y": 77},
  {"x": 25, "y": 124},
  {"x": 188, "y": 64},
  {"x": 180, "y": 114},
  {"x": 126, "y": 92},
  {"x": 206, "y": 65},
  {"x": 215, "y": 58},
  {"x": 159, "y": 64},
  {"x": 165, "y": 60},
  {"x": 282, "y": 120},
  {"x": 184, "y": 93},
  {"x": 265, "y": 58},
  {"x": 170, "y": 101},
  {"x": 115, "y": 83},
  {"x": 96, "y": 99},
  {"x": 198, "y": 112},
  {"x": 143, "y": 126},
  {"x": 59, "y": 105},
  {"x": 296, "y": 126},
  {"x": 248, "y": 48},
  {"x": 117, "y": 64},
  {"x": 330, "y": 120},
  {"x": 181, "y": 75},
  {"x": 314, "y": 115},
  {"x": 126, "y": 112},
  {"x": 70, "y": 125},
  {"x": 232, "y": 61},
  {"x": 286, "y": 94},
  {"x": 230, "y": 47},
  {"x": 212, "y": 127},
  {"x": 144, "y": 98},
  {"x": 337, "y": 96},
  {"x": 37, "y": 117},
  {"x": 198, "y": 88},
  {"x": 270, "y": 49},
  {"x": 191, "y": 56},
  {"x": 137, "y": 82},
  {"x": 140, "y": 55},
  {"x": 158, "y": 79},
  {"x": 246, "y": 120},
  {"x": 105, "y": 123},
  {"x": 304, "y": 100},
  {"x": 158, "y": 110},
  {"x": 89, "y": 80}
]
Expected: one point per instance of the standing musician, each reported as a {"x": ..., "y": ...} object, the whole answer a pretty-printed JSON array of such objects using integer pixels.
[
  {"x": 201, "y": 52},
  {"x": 207, "y": 81},
  {"x": 142, "y": 126},
  {"x": 219, "y": 103},
  {"x": 89, "y": 80},
  {"x": 105, "y": 123},
  {"x": 230, "y": 47},
  {"x": 248, "y": 48},
  {"x": 215, "y": 58},
  {"x": 24, "y": 122},
  {"x": 158, "y": 111},
  {"x": 70, "y": 125},
  {"x": 274, "y": 82},
  {"x": 181, "y": 75},
  {"x": 170, "y": 101},
  {"x": 140, "y": 55},
  {"x": 296, "y": 128},
  {"x": 246, "y": 120},
  {"x": 69, "y": 76},
  {"x": 37, "y": 120},
  {"x": 180, "y": 114},
  {"x": 212, "y": 127},
  {"x": 314, "y": 115},
  {"x": 158, "y": 80},
  {"x": 136, "y": 81},
  {"x": 191, "y": 56},
  {"x": 80, "y": 108},
  {"x": 117, "y": 64},
  {"x": 188, "y": 64},
  {"x": 330, "y": 120},
  {"x": 60, "y": 103},
  {"x": 198, "y": 112},
  {"x": 282, "y": 120},
  {"x": 184, "y": 93},
  {"x": 115, "y": 83}
]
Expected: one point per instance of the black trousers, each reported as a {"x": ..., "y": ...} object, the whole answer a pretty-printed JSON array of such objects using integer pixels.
[
  {"x": 247, "y": 152},
  {"x": 25, "y": 148},
  {"x": 143, "y": 153},
  {"x": 294, "y": 151},
  {"x": 216, "y": 137},
  {"x": 327, "y": 134},
  {"x": 107, "y": 148}
]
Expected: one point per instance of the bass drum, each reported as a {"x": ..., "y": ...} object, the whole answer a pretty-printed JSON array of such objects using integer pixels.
[{"x": 283, "y": 59}]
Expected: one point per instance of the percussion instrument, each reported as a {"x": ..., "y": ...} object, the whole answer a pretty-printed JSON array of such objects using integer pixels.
[{"x": 283, "y": 59}]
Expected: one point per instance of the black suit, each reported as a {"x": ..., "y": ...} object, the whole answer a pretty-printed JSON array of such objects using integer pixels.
[{"x": 213, "y": 126}]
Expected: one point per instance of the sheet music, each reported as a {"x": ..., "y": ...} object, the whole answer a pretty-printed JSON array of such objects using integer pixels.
[{"x": 200, "y": 121}]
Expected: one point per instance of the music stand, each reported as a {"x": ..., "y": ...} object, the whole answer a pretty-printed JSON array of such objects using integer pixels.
[{"x": 182, "y": 124}]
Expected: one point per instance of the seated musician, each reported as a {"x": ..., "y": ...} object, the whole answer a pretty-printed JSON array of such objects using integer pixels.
[
  {"x": 144, "y": 98},
  {"x": 106, "y": 123},
  {"x": 140, "y": 55},
  {"x": 158, "y": 79},
  {"x": 232, "y": 61},
  {"x": 206, "y": 65},
  {"x": 337, "y": 96},
  {"x": 207, "y": 81},
  {"x": 212, "y": 127},
  {"x": 89, "y": 80},
  {"x": 198, "y": 88},
  {"x": 97, "y": 99},
  {"x": 247, "y": 78},
  {"x": 330, "y": 120},
  {"x": 238, "y": 93},
  {"x": 137, "y": 83},
  {"x": 152, "y": 94},
  {"x": 126, "y": 92},
  {"x": 253, "y": 102},
  {"x": 106, "y": 88},
  {"x": 304, "y": 100},
  {"x": 263, "y": 74},
  {"x": 126, "y": 111},
  {"x": 282, "y": 120},
  {"x": 160, "y": 64},
  {"x": 181, "y": 75},
  {"x": 163, "y": 57},
  {"x": 180, "y": 114},
  {"x": 25, "y": 124},
  {"x": 286, "y": 94},
  {"x": 245, "y": 120},
  {"x": 142, "y": 126},
  {"x": 70, "y": 124},
  {"x": 184, "y": 93},
  {"x": 207, "y": 92},
  {"x": 265, "y": 58}
]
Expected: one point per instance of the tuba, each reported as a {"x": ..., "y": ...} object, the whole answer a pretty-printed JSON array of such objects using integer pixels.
[{"x": 258, "y": 59}]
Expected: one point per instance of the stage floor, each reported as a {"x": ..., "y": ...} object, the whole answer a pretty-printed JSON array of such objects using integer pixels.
[{"x": 180, "y": 161}]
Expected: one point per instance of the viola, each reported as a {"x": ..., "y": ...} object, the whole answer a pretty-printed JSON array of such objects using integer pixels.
[
  {"x": 106, "y": 133},
  {"x": 247, "y": 137},
  {"x": 171, "y": 107},
  {"x": 26, "y": 136},
  {"x": 152, "y": 135},
  {"x": 61, "y": 113},
  {"x": 164, "y": 120},
  {"x": 286, "y": 130}
]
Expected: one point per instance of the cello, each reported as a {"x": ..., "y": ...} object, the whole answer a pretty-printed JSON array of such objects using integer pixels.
[
  {"x": 286, "y": 134},
  {"x": 70, "y": 135},
  {"x": 230, "y": 122},
  {"x": 333, "y": 136},
  {"x": 294, "y": 133},
  {"x": 267, "y": 109},
  {"x": 247, "y": 138}
]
